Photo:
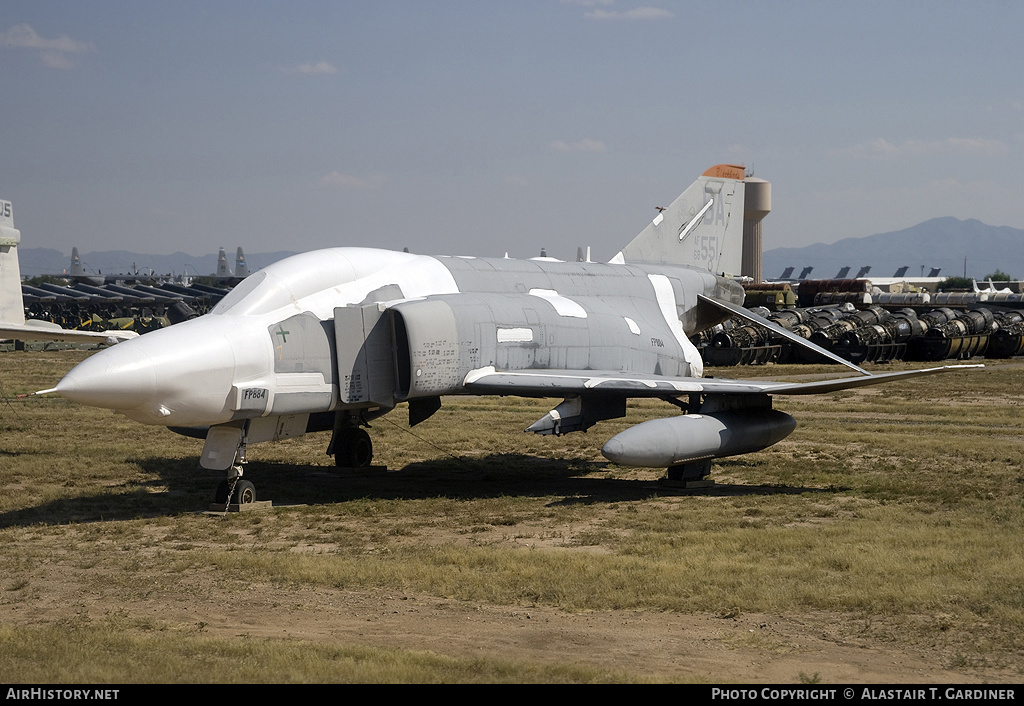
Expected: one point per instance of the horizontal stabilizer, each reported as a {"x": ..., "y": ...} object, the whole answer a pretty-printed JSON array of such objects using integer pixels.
[
  {"x": 30, "y": 332},
  {"x": 775, "y": 328}
]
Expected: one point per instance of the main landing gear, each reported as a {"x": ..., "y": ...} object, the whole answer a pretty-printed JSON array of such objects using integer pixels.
[
  {"x": 224, "y": 450},
  {"x": 353, "y": 448},
  {"x": 350, "y": 444}
]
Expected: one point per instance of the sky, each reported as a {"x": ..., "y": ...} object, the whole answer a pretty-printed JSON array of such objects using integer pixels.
[{"x": 485, "y": 128}]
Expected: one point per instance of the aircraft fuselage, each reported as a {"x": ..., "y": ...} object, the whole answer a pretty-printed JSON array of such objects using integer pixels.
[{"x": 357, "y": 328}]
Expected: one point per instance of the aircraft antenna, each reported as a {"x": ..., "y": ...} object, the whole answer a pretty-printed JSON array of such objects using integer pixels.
[{"x": 425, "y": 441}]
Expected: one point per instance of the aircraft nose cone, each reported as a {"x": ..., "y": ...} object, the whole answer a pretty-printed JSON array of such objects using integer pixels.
[
  {"x": 181, "y": 375},
  {"x": 119, "y": 378}
]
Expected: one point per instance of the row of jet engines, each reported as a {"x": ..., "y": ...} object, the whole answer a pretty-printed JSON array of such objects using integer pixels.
[{"x": 869, "y": 334}]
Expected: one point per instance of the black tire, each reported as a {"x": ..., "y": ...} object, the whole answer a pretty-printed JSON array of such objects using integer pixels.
[
  {"x": 245, "y": 492},
  {"x": 355, "y": 449}
]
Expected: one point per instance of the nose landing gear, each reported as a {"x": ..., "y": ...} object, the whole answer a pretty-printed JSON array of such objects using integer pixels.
[
  {"x": 225, "y": 450},
  {"x": 235, "y": 492}
]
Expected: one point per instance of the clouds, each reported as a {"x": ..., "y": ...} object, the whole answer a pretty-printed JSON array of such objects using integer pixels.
[
  {"x": 584, "y": 145},
  {"x": 54, "y": 53},
  {"x": 644, "y": 12},
  {"x": 637, "y": 13},
  {"x": 336, "y": 179},
  {"x": 321, "y": 68},
  {"x": 882, "y": 149}
]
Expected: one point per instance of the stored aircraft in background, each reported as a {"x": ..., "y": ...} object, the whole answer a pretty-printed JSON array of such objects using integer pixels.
[
  {"x": 12, "y": 306},
  {"x": 77, "y": 272},
  {"x": 329, "y": 340},
  {"x": 235, "y": 276}
]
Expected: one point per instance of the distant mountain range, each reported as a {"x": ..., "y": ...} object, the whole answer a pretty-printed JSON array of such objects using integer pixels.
[
  {"x": 45, "y": 261},
  {"x": 940, "y": 242}
]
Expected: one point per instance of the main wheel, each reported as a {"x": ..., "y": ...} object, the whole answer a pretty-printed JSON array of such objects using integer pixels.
[{"x": 355, "y": 449}]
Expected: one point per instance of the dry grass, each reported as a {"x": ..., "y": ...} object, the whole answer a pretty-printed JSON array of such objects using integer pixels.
[{"x": 903, "y": 501}]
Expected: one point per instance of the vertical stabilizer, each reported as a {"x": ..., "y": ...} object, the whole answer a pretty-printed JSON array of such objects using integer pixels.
[
  {"x": 241, "y": 269},
  {"x": 222, "y": 264},
  {"x": 702, "y": 228},
  {"x": 12, "y": 307},
  {"x": 76, "y": 264}
]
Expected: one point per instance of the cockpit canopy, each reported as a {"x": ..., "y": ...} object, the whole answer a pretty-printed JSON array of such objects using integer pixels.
[{"x": 287, "y": 281}]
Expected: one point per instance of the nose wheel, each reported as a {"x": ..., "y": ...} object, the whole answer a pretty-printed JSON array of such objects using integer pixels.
[{"x": 235, "y": 492}]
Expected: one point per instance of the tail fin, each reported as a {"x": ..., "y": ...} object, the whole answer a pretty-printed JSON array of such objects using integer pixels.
[
  {"x": 702, "y": 228},
  {"x": 12, "y": 307},
  {"x": 222, "y": 264},
  {"x": 241, "y": 269},
  {"x": 76, "y": 264}
]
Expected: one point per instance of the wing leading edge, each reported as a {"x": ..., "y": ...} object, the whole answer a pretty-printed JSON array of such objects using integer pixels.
[{"x": 556, "y": 383}]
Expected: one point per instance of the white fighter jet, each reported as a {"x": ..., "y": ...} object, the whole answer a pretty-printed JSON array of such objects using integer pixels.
[{"x": 329, "y": 340}]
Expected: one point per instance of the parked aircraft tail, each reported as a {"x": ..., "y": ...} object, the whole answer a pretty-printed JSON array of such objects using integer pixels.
[
  {"x": 222, "y": 265},
  {"x": 703, "y": 227},
  {"x": 76, "y": 268},
  {"x": 241, "y": 269},
  {"x": 12, "y": 307}
]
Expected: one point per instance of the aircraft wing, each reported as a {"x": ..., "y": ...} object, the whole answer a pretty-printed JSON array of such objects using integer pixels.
[
  {"x": 29, "y": 332},
  {"x": 558, "y": 383}
]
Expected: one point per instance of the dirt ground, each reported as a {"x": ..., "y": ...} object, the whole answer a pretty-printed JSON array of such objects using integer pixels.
[
  {"x": 743, "y": 648},
  {"x": 65, "y": 581}
]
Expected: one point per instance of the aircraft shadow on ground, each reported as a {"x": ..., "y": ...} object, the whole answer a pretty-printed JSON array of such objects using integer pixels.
[{"x": 183, "y": 488}]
